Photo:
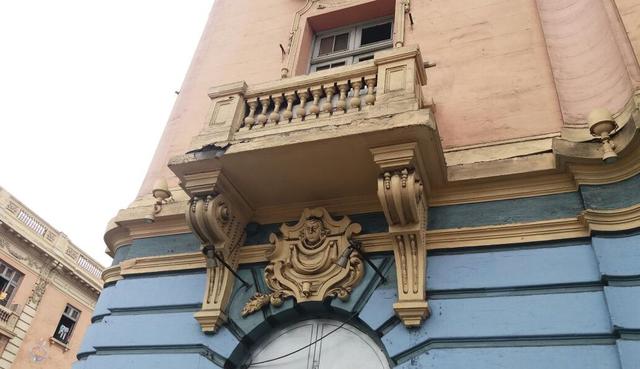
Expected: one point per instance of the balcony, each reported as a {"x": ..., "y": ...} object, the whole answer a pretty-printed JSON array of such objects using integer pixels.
[
  {"x": 307, "y": 140},
  {"x": 8, "y": 320}
]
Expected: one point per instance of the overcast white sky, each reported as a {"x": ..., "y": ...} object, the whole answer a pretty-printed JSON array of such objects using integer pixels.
[{"x": 86, "y": 87}]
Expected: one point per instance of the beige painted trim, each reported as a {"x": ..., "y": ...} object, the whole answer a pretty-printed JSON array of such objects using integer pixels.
[
  {"x": 624, "y": 168},
  {"x": 612, "y": 220},
  {"x": 506, "y": 234},
  {"x": 112, "y": 274},
  {"x": 186, "y": 261},
  {"x": 487, "y": 236}
]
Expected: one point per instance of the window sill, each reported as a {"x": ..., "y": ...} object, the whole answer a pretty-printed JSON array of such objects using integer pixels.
[{"x": 63, "y": 345}]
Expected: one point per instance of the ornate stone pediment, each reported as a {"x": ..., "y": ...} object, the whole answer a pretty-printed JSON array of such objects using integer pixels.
[{"x": 303, "y": 261}]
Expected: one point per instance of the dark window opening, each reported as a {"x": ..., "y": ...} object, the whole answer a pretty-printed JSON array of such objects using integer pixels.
[
  {"x": 66, "y": 324},
  {"x": 9, "y": 282},
  {"x": 377, "y": 33}
]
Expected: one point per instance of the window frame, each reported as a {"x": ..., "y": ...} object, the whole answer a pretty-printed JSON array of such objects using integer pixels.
[
  {"x": 70, "y": 317},
  {"x": 355, "y": 37},
  {"x": 10, "y": 282}
]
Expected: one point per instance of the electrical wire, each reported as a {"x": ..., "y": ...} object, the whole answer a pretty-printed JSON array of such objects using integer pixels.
[{"x": 304, "y": 347}]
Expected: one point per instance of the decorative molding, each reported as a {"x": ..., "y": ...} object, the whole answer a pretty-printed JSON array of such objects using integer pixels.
[
  {"x": 401, "y": 194},
  {"x": 41, "y": 284},
  {"x": 508, "y": 234},
  {"x": 485, "y": 236},
  {"x": 114, "y": 273},
  {"x": 304, "y": 261},
  {"x": 402, "y": 9},
  {"x": 26, "y": 259},
  {"x": 612, "y": 220},
  {"x": 218, "y": 216}
]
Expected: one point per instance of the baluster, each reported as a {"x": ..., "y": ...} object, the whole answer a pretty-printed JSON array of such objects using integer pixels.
[
  {"x": 329, "y": 90},
  {"x": 371, "y": 84},
  {"x": 288, "y": 114},
  {"x": 315, "y": 108},
  {"x": 302, "y": 111},
  {"x": 341, "y": 106},
  {"x": 249, "y": 121},
  {"x": 355, "y": 99},
  {"x": 262, "y": 117},
  {"x": 274, "y": 117}
]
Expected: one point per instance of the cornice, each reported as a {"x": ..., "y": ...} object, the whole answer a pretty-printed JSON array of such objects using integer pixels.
[
  {"x": 486, "y": 236},
  {"x": 612, "y": 220},
  {"x": 28, "y": 257},
  {"x": 508, "y": 234},
  {"x": 112, "y": 274}
]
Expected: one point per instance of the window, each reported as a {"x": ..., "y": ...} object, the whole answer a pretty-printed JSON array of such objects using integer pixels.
[
  {"x": 67, "y": 323},
  {"x": 9, "y": 282},
  {"x": 349, "y": 45},
  {"x": 330, "y": 344}
]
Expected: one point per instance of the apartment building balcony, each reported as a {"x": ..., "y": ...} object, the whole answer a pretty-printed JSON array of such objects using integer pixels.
[
  {"x": 308, "y": 140},
  {"x": 8, "y": 320}
]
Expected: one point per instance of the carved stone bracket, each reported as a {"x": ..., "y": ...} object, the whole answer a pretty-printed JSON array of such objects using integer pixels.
[
  {"x": 304, "y": 261},
  {"x": 400, "y": 190},
  {"x": 218, "y": 215}
]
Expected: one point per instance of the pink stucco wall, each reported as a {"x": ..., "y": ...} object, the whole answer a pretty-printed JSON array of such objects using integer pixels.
[
  {"x": 46, "y": 319},
  {"x": 493, "y": 78}
]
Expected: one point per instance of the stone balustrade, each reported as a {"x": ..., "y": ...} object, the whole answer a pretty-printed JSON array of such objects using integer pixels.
[
  {"x": 390, "y": 83},
  {"x": 8, "y": 317},
  {"x": 25, "y": 224},
  {"x": 306, "y": 99}
]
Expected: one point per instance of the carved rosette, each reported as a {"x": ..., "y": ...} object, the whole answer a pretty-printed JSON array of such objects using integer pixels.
[
  {"x": 219, "y": 223},
  {"x": 400, "y": 191},
  {"x": 302, "y": 261}
]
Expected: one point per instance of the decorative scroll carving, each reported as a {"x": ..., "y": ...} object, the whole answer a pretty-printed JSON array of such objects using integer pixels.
[
  {"x": 302, "y": 261},
  {"x": 400, "y": 191},
  {"x": 219, "y": 223},
  {"x": 40, "y": 287}
]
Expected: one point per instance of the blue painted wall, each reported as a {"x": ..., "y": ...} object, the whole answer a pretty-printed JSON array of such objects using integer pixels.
[{"x": 570, "y": 304}]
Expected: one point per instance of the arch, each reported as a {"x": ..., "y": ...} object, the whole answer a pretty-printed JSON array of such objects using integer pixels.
[{"x": 317, "y": 343}]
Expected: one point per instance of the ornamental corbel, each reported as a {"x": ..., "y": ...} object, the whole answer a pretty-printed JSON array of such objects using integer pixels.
[
  {"x": 217, "y": 215},
  {"x": 401, "y": 194}
]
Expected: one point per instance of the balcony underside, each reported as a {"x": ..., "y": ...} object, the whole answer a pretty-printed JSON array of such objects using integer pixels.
[{"x": 328, "y": 166}]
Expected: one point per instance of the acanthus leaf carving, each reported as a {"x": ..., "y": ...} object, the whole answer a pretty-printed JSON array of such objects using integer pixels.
[{"x": 302, "y": 261}]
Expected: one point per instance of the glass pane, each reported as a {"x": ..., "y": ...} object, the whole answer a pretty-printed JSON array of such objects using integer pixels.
[
  {"x": 324, "y": 67},
  {"x": 338, "y": 64},
  {"x": 325, "y": 45},
  {"x": 380, "y": 32},
  {"x": 2, "y": 268},
  {"x": 9, "y": 274},
  {"x": 342, "y": 42}
]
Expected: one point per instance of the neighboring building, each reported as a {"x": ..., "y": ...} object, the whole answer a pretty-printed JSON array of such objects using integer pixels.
[
  {"x": 48, "y": 290},
  {"x": 507, "y": 234}
]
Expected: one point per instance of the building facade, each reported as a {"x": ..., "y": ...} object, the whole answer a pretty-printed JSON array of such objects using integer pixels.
[
  {"x": 48, "y": 290},
  {"x": 389, "y": 183}
]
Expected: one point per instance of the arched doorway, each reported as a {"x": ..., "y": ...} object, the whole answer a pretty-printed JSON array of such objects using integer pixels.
[{"x": 343, "y": 347}]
